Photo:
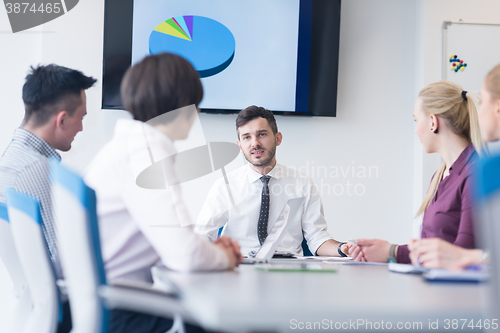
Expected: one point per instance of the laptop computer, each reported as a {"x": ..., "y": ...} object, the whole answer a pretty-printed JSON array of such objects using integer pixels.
[{"x": 267, "y": 250}]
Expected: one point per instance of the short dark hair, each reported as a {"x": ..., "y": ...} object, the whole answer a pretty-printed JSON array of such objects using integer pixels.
[
  {"x": 158, "y": 84},
  {"x": 50, "y": 89},
  {"x": 252, "y": 112}
]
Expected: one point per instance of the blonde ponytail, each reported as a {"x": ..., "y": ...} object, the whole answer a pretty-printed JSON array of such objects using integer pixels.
[
  {"x": 492, "y": 82},
  {"x": 445, "y": 100},
  {"x": 431, "y": 193},
  {"x": 475, "y": 131}
]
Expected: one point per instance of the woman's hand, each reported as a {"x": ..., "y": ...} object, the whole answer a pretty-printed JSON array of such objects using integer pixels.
[
  {"x": 376, "y": 250},
  {"x": 438, "y": 253},
  {"x": 352, "y": 250},
  {"x": 232, "y": 250}
]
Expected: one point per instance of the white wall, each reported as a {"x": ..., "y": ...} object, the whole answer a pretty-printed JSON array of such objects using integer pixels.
[
  {"x": 368, "y": 131},
  {"x": 433, "y": 14},
  {"x": 17, "y": 52},
  {"x": 389, "y": 49}
]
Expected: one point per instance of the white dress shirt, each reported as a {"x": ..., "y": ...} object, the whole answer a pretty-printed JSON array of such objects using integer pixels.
[
  {"x": 140, "y": 227},
  {"x": 241, "y": 220}
]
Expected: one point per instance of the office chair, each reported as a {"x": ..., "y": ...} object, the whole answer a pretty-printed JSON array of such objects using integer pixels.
[
  {"x": 25, "y": 221},
  {"x": 20, "y": 305},
  {"x": 305, "y": 249},
  {"x": 91, "y": 297},
  {"x": 487, "y": 194}
]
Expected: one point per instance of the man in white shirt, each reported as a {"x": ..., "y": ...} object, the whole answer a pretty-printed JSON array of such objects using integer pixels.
[{"x": 260, "y": 190}]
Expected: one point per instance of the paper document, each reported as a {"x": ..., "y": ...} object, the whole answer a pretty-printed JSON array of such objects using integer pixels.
[
  {"x": 407, "y": 268},
  {"x": 302, "y": 267}
]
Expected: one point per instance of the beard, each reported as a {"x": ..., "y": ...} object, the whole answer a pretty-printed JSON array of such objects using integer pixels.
[{"x": 264, "y": 160}]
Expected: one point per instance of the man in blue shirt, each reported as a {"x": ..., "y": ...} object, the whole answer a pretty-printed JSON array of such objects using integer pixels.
[{"x": 55, "y": 104}]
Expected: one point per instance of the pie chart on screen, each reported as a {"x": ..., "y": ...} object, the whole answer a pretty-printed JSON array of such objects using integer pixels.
[{"x": 206, "y": 43}]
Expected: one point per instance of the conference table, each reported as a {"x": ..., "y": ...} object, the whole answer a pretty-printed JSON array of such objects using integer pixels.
[{"x": 361, "y": 298}]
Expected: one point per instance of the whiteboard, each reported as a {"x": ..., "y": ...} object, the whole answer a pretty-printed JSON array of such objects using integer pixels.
[{"x": 478, "y": 45}]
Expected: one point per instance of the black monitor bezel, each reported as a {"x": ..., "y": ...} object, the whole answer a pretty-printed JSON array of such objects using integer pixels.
[{"x": 324, "y": 58}]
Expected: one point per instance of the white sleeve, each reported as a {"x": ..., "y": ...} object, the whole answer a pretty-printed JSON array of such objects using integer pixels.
[
  {"x": 179, "y": 248},
  {"x": 214, "y": 213},
  {"x": 313, "y": 221},
  {"x": 161, "y": 214}
]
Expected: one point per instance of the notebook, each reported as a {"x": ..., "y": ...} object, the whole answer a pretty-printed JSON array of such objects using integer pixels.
[
  {"x": 470, "y": 275},
  {"x": 407, "y": 268}
]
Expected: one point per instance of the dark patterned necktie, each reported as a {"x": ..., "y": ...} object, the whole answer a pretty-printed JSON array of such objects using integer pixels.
[{"x": 264, "y": 210}]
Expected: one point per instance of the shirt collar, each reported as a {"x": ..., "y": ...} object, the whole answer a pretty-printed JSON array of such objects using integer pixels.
[
  {"x": 35, "y": 142},
  {"x": 463, "y": 159},
  {"x": 276, "y": 173}
]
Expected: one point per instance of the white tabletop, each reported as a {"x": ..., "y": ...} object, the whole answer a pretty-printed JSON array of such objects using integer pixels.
[{"x": 250, "y": 300}]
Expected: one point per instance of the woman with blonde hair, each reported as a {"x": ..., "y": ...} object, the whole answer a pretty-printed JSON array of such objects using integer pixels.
[
  {"x": 435, "y": 252},
  {"x": 447, "y": 124}
]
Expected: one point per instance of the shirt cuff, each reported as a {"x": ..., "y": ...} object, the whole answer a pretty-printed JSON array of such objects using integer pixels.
[
  {"x": 403, "y": 255},
  {"x": 317, "y": 243}
]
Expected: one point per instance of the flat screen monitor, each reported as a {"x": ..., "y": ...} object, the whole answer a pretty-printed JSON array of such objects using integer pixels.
[{"x": 278, "y": 54}]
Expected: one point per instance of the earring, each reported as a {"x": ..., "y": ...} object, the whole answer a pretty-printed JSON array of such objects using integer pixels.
[{"x": 435, "y": 131}]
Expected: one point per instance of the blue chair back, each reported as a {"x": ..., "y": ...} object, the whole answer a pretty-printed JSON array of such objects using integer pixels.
[
  {"x": 26, "y": 227},
  {"x": 75, "y": 213},
  {"x": 305, "y": 249},
  {"x": 20, "y": 307}
]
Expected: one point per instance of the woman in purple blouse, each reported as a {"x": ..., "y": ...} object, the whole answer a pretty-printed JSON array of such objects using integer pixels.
[
  {"x": 447, "y": 124},
  {"x": 435, "y": 252}
]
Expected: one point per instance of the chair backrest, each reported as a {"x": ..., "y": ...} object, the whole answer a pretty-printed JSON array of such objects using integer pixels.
[
  {"x": 26, "y": 221},
  {"x": 75, "y": 213},
  {"x": 487, "y": 180},
  {"x": 20, "y": 306}
]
